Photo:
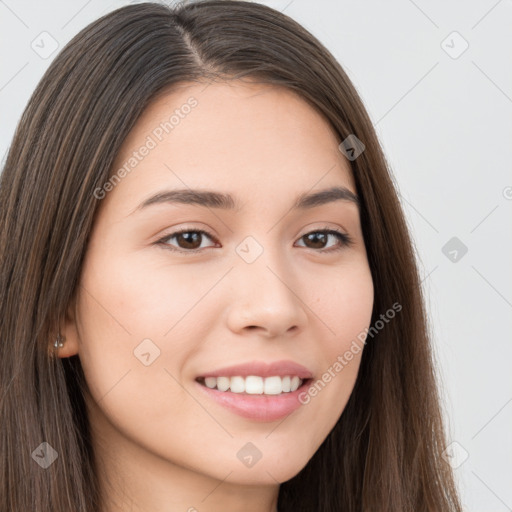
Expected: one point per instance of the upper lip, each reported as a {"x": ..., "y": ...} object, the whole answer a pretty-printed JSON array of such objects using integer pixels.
[{"x": 262, "y": 369}]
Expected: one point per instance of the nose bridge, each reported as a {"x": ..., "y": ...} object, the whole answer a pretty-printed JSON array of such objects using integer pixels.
[
  {"x": 264, "y": 294},
  {"x": 264, "y": 265}
]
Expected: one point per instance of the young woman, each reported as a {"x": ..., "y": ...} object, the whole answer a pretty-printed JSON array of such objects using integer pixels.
[{"x": 210, "y": 300}]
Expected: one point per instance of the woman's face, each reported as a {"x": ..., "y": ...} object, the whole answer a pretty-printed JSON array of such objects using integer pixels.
[{"x": 253, "y": 280}]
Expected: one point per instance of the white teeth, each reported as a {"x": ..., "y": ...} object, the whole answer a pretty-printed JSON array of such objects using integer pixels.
[
  {"x": 295, "y": 383},
  {"x": 237, "y": 385},
  {"x": 211, "y": 382},
  {"x": 273, "y": 386},
  {"x": 223, "y": 383},
  {"x": 254, "y": 385}
]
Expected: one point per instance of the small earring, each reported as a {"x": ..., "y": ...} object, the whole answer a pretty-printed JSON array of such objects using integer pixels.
[{"x": 59, "y": 342}]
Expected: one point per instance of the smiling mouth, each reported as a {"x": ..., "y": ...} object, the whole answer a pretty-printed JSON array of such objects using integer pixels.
[{"x": 254, "y": 384}]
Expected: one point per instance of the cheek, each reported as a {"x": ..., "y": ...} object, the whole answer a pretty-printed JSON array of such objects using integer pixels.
[
  {"x": 345, "y": 308},
  {"x": 141, "y": 296},
  {"x": 130, "y": 366},
  {"x": 130, "y": 307},
  {"x": 344, "y": 303}
]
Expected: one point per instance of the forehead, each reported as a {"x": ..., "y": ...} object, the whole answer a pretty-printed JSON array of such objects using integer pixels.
[{"x": 247, "y": 137}]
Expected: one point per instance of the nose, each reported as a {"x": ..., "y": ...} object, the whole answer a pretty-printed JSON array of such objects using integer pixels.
[{"x": 266, "y": 299}]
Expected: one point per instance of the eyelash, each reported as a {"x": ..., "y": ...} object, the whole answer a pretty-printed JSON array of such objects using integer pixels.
[{"x": 344, "y": 239}]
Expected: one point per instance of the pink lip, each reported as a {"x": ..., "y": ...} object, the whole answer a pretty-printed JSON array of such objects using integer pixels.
[
  {"x": 261, "y": 369},
  {"x": 258, "y": 407}
]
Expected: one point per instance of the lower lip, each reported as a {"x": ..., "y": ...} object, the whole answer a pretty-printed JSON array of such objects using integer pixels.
[{"x": 258, "y": 407}]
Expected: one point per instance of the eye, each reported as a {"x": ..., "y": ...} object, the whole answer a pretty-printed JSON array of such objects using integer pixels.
[
  {"x": 188, "y": 240},
  {"x": 318, "y": 239}
]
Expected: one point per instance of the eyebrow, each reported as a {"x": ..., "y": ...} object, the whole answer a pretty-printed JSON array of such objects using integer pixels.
[{"x": 212, "y": 199}]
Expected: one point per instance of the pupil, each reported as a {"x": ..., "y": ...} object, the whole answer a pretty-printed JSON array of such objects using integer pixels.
[
  {"x": 188, "y": 237},
  {"x": 316, "y": 237}
]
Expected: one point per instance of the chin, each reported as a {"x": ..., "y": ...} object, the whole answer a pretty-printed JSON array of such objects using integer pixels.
[{"x": 275, "y": 469}]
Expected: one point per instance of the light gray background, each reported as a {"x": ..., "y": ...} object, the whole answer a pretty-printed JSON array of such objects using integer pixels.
[{"x": 445, "y": 122}]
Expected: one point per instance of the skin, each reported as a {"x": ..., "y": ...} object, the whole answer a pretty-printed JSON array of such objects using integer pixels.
[{"x": 161, "y": 444}]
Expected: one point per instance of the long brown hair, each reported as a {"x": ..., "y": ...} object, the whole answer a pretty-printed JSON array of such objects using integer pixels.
[{"x": 384, "y": 454}]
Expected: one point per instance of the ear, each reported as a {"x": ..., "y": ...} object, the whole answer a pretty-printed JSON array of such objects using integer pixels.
[{"x": 69, "y": 330}]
